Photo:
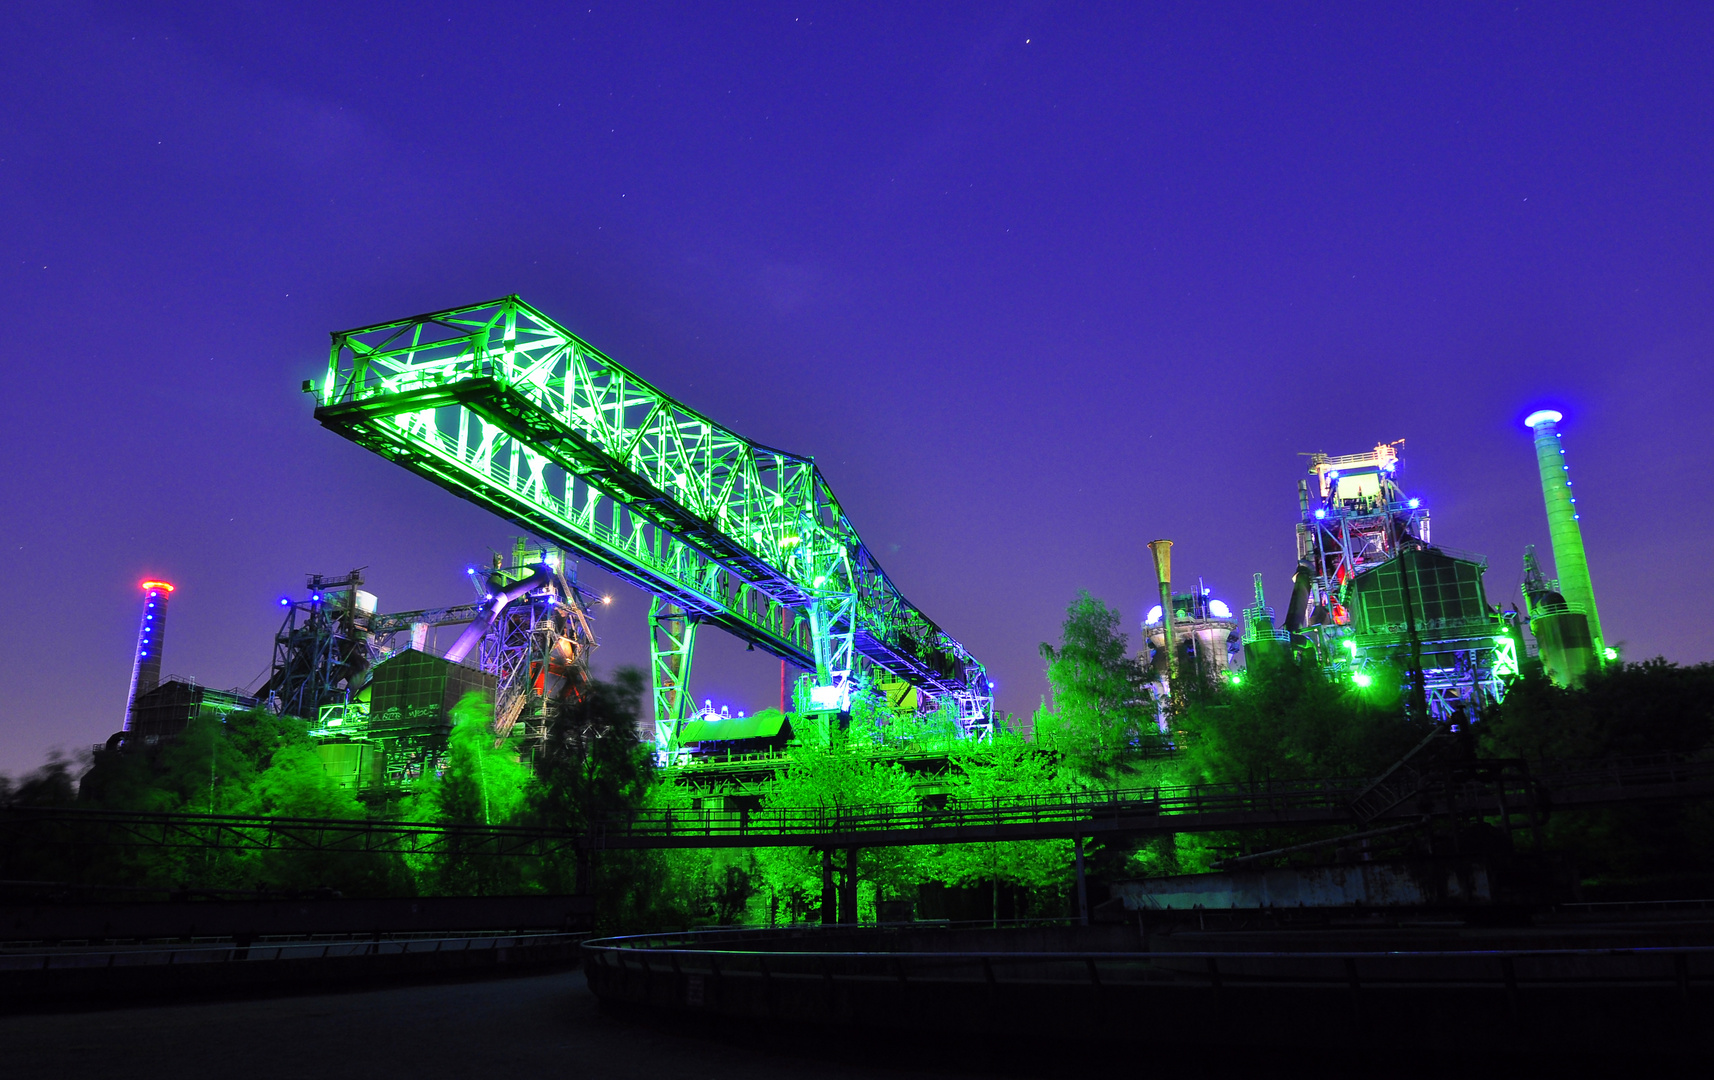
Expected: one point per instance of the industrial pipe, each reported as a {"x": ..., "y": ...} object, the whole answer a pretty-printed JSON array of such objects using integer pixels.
[
  {"x": 1162, "y": 552},
  {"x": 1569, "y": 560},
  {"x": 494, "y": 605}
]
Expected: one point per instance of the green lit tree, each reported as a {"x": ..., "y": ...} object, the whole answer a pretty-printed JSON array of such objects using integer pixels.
[{"x": 1099, "y": 708}]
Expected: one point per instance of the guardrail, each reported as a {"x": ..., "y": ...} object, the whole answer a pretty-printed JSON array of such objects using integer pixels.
[
  {"x": 75, "y": 957},
  {"x": 632, "y": 966}
]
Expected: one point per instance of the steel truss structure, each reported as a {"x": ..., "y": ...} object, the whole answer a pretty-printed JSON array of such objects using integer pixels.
[
  {"x": 538, "y": 648},
  {"x": 506, "y": 408},
  {"x": 323, "y": 651}
]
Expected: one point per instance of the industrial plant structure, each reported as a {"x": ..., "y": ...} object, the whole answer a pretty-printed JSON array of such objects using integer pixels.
[
  {"x": 1373, "y": 598},
  {"x": 504, "y": 407}
]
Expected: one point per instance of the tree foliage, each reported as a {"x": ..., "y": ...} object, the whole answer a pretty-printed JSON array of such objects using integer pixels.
[
  {"x": 1100, "y": 706},
  {"x": 1293, "y": 720}
]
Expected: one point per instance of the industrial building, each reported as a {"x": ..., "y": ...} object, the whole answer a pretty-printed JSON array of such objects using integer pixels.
[{"x": 504, "y": 407}]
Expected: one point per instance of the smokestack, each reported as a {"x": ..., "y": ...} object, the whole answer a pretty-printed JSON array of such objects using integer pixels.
[
  {"x": 151, "y": 632},
  {"x": 1162, "y": 552},
  {"x": 1562, "y": 528}
]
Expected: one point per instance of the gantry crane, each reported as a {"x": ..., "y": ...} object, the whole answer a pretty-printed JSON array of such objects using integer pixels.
[{"x": 504, "y": 407}]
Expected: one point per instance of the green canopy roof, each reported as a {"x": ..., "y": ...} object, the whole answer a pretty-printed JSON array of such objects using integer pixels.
[{"x": 764, "y": 725}]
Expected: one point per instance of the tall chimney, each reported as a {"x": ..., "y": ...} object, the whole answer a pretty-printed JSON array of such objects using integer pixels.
[
  {"x": 1162, "y": 551},
  {"x": 151, "y": 631},
  {"x": 1569, "y": 562}
]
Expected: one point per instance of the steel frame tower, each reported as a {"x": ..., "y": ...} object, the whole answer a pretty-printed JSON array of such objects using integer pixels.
[
  {"x": 502, "y": 406},
  {"x": 323, "y": 650},
  {"x": 1363, "y": 519},
  {"x": 542, "y": 637}
]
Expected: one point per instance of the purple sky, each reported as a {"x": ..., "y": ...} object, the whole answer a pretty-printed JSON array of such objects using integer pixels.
[{"x": 1034, "y": 284}]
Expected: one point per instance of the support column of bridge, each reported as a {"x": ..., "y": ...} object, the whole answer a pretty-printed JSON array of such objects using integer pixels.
[
  {"x": 839, "y": 894},
  {"x": 848, "y": 897},
  {"x": 829, "y": 915}
]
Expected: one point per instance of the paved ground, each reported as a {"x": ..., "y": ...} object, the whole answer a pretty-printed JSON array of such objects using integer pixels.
[{"x": 505, "y": 1029}]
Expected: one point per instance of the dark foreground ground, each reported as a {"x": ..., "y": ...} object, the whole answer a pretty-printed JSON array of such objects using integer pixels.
[
  {"x": 537, "y": 1027},
  {"x": 501, "y": 1029}
]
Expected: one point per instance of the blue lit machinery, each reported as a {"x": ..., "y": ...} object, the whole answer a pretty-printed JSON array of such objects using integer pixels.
[
  {"x": 527, "y": 630},
  {"x": 1373, "y": 595},
  {"x": 1359, "y": 519},
  {"x": 151, "y": 633},
  {"x": 323, "y": 652},
  {"x": 537, "y": 646}
]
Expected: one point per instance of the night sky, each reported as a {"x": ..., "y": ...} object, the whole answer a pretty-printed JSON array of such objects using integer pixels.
[{"x": 1035, "y": 285}]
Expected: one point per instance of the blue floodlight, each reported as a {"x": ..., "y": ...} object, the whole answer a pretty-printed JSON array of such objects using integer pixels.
[
  {"x": 1154, "y": 616},
  {"x": 1542, "y": 416},
  {"x": 1319, "y": 514},
  {"x": 1219, "y": 610},
  {"x": 1414, "y": 503}
]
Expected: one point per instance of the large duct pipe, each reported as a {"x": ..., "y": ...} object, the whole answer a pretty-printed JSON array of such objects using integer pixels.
[
  {"x": 1297, "y": 611},
  {"x": 151, "y": 632},
  {"x": 1162, "y": 552},
  {"x": 1569, "y": 560},
  {"x": 496, "y": 604}
]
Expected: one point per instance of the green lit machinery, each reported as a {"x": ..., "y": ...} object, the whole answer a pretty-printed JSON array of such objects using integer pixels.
[
  {"x": 1562, "y": 614},
  {"x": 504, "y": 407},
  {"x": 1374, "y": 598}
]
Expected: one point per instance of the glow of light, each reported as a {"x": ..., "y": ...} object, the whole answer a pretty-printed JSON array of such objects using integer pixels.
[
  {"x": 1541, "y": 416},
  {"x": 160, "y": 586},
  {"x": 1154, "y": 616},
  {"x": 820, "y": 580},
  {"x": 1414, "y": 503},
  {"x": 1319, "y": 514},
  {"x": 316, "y": 597},
  {"x": 1234, "y": 678},
  {"x": 1334, "y": 475},
  {"x": 1352, "y": 645},
  {"x": 1219, "y": 610},
  {"x": 285, "y": 601},
  {"x": 1610, "y": 653},
  {"x": 1362, "y": 679},
  {"x": 606, "y": 599}
]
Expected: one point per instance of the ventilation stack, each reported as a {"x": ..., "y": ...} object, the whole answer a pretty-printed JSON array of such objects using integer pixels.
[
  {"x": 1162, "y": 552},
  {"x": 1567, "y": 536},
  {"x": 151, "y": 632}
]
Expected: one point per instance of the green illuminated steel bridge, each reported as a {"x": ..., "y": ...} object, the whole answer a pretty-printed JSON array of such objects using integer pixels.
[{"x": 504, "y": 407}]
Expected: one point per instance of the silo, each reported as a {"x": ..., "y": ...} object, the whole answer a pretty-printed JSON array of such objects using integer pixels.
[{"x": 1567, "y": 536}]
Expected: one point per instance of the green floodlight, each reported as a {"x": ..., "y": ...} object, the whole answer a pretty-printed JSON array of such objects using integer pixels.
[
  {"x": 1610, "y": 653},
  {"x": 1234, "y": 678},
  {"x": 1352, "y": 645},
  {"x": 1363, "y": 680}
]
